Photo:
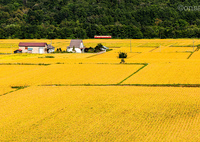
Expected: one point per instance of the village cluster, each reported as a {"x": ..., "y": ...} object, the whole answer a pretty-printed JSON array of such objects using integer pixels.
[{"x": 76, "y": 46}]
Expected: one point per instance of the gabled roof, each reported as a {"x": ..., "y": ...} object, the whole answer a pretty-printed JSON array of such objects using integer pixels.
[
  {"x": 49, "y": 46},
  {"x": 33, "y": 44},
  {"x": 105, "y": 47},
  {"x": 75, "y": 43}
]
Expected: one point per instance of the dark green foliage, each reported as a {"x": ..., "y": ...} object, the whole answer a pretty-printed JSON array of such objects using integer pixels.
[
  {"x": 122, "y": 55},
  {"x": 58, "y": 50},
  {"x": 109, "y": 50},
  {"x": 19, "y": 87},
  {"x": 90, "y": 50},
  {"x": 28, "y": 19},
  {"x": 49, "y": 57},
  {"x": 98, "y": 48},
  {"x": 86, "y": 50},
  {"x": 198, "y": 47}
]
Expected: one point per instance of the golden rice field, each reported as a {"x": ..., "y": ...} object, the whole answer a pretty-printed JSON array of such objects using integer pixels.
[
  {"x": 167, "y": 73},
  {"x": 100, "y": 113},
  {"x": 26, "y": 75},
  {"x": 5, "y": 89},
  {"x": 154, "y": 96}
]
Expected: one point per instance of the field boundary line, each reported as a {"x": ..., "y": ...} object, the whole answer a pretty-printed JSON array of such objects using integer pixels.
[
  {"x": 96, "y": 54},
  {"x": 164, "y": 85},
  {"x": 192, "y": 53},
  {"x": 43, "y": 64},
  {"x": 16, "y": 89},
  {"x": 133, "y": 73},
  {"x": 142, "y": 85},
  {"x": 154, "y": 49},
  {"x": 172, "y": 45},
  {"x": 110, "y": 63},
  {"x": 39, "y": 64}
]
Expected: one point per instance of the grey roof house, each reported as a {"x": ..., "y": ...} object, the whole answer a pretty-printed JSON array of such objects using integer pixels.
[{"x": 77, "y": 44}]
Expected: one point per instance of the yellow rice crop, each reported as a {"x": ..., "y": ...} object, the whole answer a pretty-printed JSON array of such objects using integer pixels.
[
  {"x": 186, "y": 43},
  {"x": 134, "y": 49},
  {"x": 167, "y": 73},
  {"x": 5, "y": 89},
  {"x": 177, "y": 49},
  {"x": 100, "y": 114},
  {"x": 196, "y": 55},
  {"x": 111, "y": 43},
  {"x": 8, "y": 50},
  {"x": 21, "y": 75},
  {"x": 162, "y": 55}
]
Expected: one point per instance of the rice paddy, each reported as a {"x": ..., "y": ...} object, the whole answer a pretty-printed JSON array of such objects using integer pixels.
[{"x": 153, "y": 96}]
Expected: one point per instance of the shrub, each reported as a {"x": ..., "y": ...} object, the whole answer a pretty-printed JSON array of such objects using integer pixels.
[
  {"x": 122, "y": 55},
  {"x": 98, "y": 47},
  {"x": 49, "y": 56},
  {"x": 109, "y": 50},
  {"x": 90, "y": 50},
  {"x": 59, "y": 50},
  {"x": 198, "y": 47}
]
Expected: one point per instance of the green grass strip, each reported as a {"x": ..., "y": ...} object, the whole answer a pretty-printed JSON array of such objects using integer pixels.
[
  {"x": 93, "y": 55},
  {"x": 183, "y": 46},
  {"x": 143, "y": 85},
  {"x": 163, "y": 85},
  {"x": 40, "y": 64},
  {"x": 106, "y": 63},
  {"x": 154, "y": 49},
  {"x": 133, "y": 73},
  {"x": 192, "y": 54},
  {"x": 15, "y": 87}
]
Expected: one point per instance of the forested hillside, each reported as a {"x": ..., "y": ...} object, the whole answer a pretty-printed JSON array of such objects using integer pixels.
[{"x": 27, "y": 19}]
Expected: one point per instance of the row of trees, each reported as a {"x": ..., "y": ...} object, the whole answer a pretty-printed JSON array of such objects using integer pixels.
[{"x": 86, "y": 18}]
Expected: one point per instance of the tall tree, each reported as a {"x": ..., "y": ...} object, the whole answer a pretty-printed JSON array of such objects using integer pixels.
[{"x": 24, "y": 2}]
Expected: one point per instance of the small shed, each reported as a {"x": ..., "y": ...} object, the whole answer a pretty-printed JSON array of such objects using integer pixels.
[
  {"x": 33, "y": 47},
  {"x": 18, "y": 51},
  {"x": 104, "y": 48},
  {"x": 50, "y": 48},
  {"x": 76, "y": 45}
]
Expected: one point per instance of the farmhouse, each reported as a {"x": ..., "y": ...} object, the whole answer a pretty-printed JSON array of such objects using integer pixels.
[
  {"x": 33, "y": 47},
  {"x": 76, "y": 45}
]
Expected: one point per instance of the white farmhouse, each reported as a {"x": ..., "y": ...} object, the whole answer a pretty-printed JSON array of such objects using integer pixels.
[
  {"x": 33, "y": 47},
  {"x": 76, "y": 45}
]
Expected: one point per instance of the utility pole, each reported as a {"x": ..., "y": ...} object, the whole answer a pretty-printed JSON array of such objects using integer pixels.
[
  {"x": 160, "y": 48},
  {"x": 193, "y": 44}
]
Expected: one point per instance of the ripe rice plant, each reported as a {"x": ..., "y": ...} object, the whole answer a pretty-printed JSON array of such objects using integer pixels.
[{"x": 154, "y": 96}]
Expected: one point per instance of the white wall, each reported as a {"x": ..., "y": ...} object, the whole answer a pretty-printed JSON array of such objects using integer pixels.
[
  {"x": 77, "y": 50},
  {"x": 35, "y": 49},
  {"x": 81, "y": 46}
]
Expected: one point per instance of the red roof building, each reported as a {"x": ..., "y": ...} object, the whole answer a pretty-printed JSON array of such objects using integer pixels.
[
  {"x": 33, "y": 47},
  {"x": 33, "y": 44}
]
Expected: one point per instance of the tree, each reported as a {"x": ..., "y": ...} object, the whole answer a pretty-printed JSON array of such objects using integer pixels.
[
  {"x": 86, "y": 18},
  {"x": 98, "y": 47},
  {"x": 24, "y": 2}
]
